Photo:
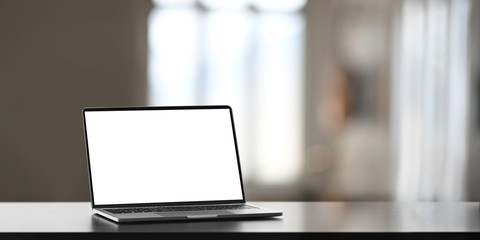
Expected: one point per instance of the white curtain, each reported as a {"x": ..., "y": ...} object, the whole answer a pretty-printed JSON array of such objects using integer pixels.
[{"x": 430, "y": 99}]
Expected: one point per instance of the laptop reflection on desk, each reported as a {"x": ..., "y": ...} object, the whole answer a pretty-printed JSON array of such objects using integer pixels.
[{"x": 165, "y": 163}]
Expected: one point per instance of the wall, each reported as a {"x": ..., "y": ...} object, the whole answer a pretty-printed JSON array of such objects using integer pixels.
[{"x": 57, "y": 57}]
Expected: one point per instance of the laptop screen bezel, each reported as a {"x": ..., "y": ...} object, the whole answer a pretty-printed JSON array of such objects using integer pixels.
[{"x": 92, "y": 197}]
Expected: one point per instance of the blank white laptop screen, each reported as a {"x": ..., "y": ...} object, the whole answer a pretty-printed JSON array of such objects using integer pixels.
[{"x": 151, "y": 156}]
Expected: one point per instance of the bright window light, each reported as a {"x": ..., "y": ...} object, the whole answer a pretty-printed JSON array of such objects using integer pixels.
[
  {"x": 250, "y": 60},
  {"x": 225, "y": 5},
  {"x": 279, "y": 5}
]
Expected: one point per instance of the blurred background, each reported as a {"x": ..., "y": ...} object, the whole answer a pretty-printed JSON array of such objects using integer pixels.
[{"x": 334, "y": 100}]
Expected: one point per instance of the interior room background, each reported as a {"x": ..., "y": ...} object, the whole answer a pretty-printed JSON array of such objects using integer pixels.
[{"x": 334, "y": 100}]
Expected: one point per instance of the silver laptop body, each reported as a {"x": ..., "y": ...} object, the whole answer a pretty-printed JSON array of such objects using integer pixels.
[{"x": 165, "y": 163}]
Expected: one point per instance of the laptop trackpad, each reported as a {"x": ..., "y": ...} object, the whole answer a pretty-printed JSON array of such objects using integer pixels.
[{"x": 194, "y": 214}]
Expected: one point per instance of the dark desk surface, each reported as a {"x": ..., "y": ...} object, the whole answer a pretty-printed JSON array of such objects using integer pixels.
[{"x": 299, "y": 217}]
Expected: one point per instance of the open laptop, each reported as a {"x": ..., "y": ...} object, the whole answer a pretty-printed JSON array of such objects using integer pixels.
[{"x": 165, "y": 163}]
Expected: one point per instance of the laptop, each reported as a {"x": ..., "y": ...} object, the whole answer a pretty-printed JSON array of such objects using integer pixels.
[{"x": 165, "y": 163}]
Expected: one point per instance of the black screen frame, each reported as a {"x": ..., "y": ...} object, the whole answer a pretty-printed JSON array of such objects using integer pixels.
[{"x": 138, "y": 108}]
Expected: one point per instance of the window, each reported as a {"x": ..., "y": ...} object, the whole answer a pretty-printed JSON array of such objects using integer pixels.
[{"x": 247, "y": 54}]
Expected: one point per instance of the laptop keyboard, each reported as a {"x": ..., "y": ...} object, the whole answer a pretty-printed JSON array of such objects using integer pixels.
[{"x": 177, "y": 208}]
